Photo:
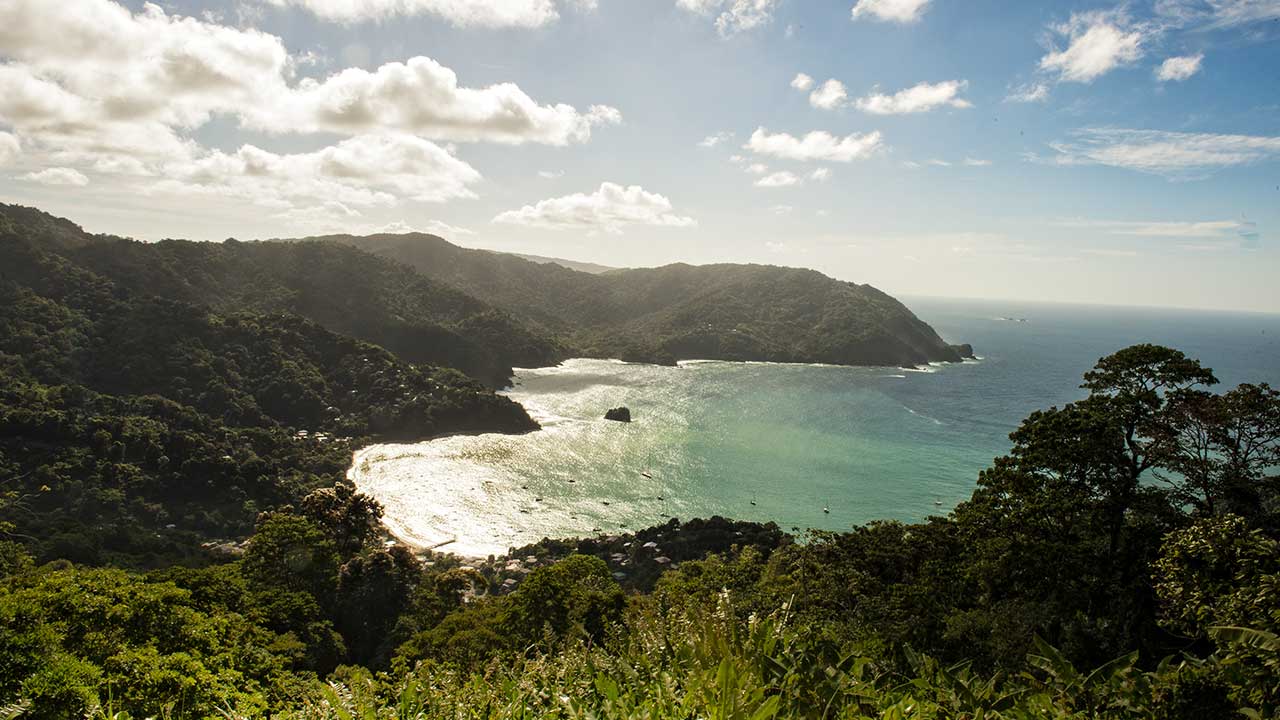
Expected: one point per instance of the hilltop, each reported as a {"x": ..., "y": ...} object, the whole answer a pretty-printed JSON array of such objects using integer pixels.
[{"x": 679, "y": 311}]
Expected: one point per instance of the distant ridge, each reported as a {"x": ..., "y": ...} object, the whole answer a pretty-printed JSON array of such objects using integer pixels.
[
  {"x": 585, "y": 267},
  {"x": 680, "y": 311}
]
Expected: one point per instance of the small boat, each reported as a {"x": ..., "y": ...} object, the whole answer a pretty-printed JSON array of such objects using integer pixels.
[
  {"x": 937, "y": 502},
  {"x": 642, "y": 472},
  {"x": 606, "y": 502},
  {"x": 662, "y": 498},
  {"x": 537, "y": 499},
  {"x": 826, "y": 510}
]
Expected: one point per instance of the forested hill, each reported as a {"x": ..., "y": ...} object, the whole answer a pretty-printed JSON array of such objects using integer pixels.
[
  {"x": 341, "y": 288},
  {"x": 134, "y": 426},
  {"x": 728, "y": 312}
]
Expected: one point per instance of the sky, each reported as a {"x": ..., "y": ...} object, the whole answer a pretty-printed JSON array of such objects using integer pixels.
[{"x": 1098, "y": 152}]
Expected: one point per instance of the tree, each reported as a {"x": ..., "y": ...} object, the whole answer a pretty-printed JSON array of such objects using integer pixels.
[
  {"x": 574, "y": 595},
  {"x": 351, "y": 518},
  {"x": 374, "y": 589},
  {"x": 291, "y": 552}
]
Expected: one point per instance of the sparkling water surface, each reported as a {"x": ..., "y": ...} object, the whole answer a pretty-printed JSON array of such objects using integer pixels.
[{"x": 806, "y": 446}]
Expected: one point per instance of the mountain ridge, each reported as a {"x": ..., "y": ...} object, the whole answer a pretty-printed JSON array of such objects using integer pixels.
[{"x": 724, "y": 311}]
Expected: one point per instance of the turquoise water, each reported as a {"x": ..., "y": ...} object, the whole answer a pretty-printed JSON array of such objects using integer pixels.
[{"x": 762, "y": 441}]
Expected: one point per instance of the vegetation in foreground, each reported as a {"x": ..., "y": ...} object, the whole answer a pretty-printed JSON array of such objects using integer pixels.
[{"x": 1120, "y": 562}]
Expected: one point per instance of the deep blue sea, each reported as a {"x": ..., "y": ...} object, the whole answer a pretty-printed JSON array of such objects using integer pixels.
[{"x": 807, "y": 446}]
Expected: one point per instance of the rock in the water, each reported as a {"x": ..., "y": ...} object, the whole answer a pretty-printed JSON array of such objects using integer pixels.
[
  {"x": 621, "y": 414},
  {"x": 965, "y": 350}
]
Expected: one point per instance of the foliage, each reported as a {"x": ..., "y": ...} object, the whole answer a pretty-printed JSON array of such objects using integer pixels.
[{"x": 726, "y": 312}]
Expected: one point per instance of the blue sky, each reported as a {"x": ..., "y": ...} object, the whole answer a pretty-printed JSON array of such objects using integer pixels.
[{"x": 1090, "y": 152}]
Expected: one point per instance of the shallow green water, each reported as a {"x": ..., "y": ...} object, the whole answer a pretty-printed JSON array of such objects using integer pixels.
[{"x": 773, "y": 442}]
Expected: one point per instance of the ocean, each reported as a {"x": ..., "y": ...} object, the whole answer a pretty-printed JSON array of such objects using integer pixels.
[{"x": 806, "y": 446}]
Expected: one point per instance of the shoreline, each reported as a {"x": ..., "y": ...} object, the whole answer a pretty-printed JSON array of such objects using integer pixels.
[{"x": 439, "y": 496}]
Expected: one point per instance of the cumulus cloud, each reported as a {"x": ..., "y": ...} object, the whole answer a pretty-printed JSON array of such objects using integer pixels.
[
  {"x": 802, "y": 82},
  {"x": 818, "y": 145},
  {"x": 1171, "y": 154},
  {"x": 829, "y": 95},
  {"x": 711, "y": 141},
  {"x": 423, "y": 97},
  {"x": 922, "y": 97},
  {"x": 483, "y": 13},
  {"x": 550, "y": 174},
  {"x": 1179, "y": 68},
  {"x": 779, "y": 179},
  {"x": 903, "y": 11},
  {"x": 365, "y": 170},
  {"x": 58, "y": 176},
  {"x": 733, "y": 16},
  {"x": 90, "y": 84},
  {"x": 1097, "y": 43},
  {"x": 610, "y": 209},
  {"x": 10, "y": 148},
  {"x": 1030, "y": 93}
]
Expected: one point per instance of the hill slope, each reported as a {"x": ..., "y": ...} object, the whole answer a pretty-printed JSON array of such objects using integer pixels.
[
  {"x": 132, "y": 426},
  {"x": 729, "y": 312},
  {"x": 344, "y": 290}
]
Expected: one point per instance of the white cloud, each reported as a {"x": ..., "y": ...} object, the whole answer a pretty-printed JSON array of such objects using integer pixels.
[
  {"x": 734, "y": 16},
  {"x": 786, "y": 178},
  {"x": 976, "y": 162},
  {"x": 1097, "y": 44},
  {"x": 1171, "y": 154},
  {"x": 334, "y": 217},
  {"x": 550, "y": 174},
  {"x": 58, "y": 176},
  {"x": 1202, "y": 235},
  {"x": 10, "y": 148},
  {"x": 939, "y": 163},
  {"x": 802, "y": 82},
  {"x": 1179, "y": 68},
  {"x": 360, "y": 171},
  {"x": 483, "y": 13},
  {"x": 423, "y": 97},
  {"x": 903, "y": 11},
  {"x": 818, "y": 145},
  {"x": 779, "y": 179},
  {"x": 829, "y": 95},
  {"x": 89, "y": 72},
  {"x": 1030, "y": 93},
  {"x": 922, "y": 97},
  {"x": 782, "y": 209},
  {"x": 610, "y": 209},
  {"x": 88, "y": 84},
  {"x": 432, "y": 227},
  {"x": 1217, "y": 14},
  {"x": 711, "y": 141},
  {"x": 1167, "y": 229}
]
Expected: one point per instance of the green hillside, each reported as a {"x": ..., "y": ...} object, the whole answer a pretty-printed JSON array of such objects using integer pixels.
[{"x": 727, "y": 312}]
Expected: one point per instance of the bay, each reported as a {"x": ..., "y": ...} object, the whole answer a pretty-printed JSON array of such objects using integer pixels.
[{"x": 806, "y": 446}]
